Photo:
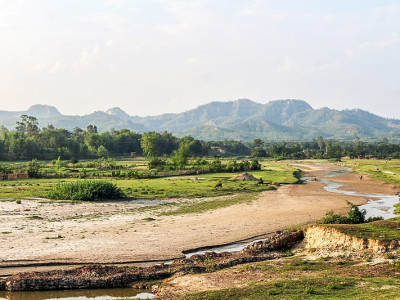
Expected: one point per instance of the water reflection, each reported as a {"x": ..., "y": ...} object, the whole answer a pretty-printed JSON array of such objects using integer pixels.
[{"x": 98, "y": 294}]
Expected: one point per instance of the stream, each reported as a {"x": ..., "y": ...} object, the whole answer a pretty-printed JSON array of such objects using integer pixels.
[{"x": 378, "y": 205}]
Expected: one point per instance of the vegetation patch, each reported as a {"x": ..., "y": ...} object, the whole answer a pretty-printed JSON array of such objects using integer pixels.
[
  {"x": 86, "y": 190},
  {"x": 385, "y": 170},
  {"x": 354, "y": 216},
  {"x": 296, "y": 278},
  {"x": 197, "y": 186},
  {"x": 378, "y": 230},
  {"x": 200, "y": 207},
  {"x": 306, "y": 288}
]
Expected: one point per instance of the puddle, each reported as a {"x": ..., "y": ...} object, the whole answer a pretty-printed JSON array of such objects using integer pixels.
[
  {"x": 97, "y": 294},
  {"x": 233, "y": 247}
]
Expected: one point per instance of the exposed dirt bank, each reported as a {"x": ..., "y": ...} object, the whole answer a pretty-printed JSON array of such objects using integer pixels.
[
  {"x": 34, "y": 232},
  {"x": 330, "y": 241}
]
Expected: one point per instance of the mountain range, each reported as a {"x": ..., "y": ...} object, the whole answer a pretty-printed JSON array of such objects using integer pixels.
[{"x": 242, "y": 119}]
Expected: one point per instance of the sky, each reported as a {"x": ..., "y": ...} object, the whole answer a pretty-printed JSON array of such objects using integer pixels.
[{"x": 150, "y": 57}]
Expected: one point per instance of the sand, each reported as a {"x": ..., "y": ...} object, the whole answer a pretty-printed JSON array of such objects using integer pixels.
[{"x": 117, "y": 232}]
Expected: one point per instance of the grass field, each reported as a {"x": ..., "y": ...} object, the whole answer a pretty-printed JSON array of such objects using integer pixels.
[
  {"x": 299, "y": 278},
  {"x": 162, "y": 188},
  {"x": 386, "y": 170}
]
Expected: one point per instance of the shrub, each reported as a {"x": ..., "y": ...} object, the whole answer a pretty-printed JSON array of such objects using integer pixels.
[
  {"x": 390, "y": 255},
  {"x": 354, "y": 216},
  {"x": 156, "y": 163},
  {"x": 333, "y": 160},
  {"x": 86, "y": 190}
]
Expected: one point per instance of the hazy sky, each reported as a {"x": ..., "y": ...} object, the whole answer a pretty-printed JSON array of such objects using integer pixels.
[{"x": 155, "y": 56}]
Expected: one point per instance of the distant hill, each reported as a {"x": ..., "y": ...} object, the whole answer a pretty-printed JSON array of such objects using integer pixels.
[{"x": 242, "y": 119}]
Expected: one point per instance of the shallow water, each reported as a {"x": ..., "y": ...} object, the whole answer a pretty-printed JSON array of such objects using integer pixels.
[
  {"x": 234, "y": 247},
  {"x": 98, "y": 294},
  {"x": 378, "y": 205}
]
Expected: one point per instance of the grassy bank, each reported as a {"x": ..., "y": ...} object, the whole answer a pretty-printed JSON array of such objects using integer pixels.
[
  {"x": 299, "y": 278},
  {"x": 161, "y": 188},
  {"x": 378, "y": 230}
]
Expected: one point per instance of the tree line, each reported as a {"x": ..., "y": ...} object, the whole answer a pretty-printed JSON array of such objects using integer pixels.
[{"x": 27, "y": 141}]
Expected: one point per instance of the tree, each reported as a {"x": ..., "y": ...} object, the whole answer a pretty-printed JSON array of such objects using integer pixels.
[
  {"x": 321, "y": 142},
  {"x": 180, "y": 157},
  {"x": 33, "y": 168},
  {"x": 258, "y": 143},
  {"x": 58, "y": 164},
  {"x": 91, "y": 128},
  {"x": 102, "y": 151},
  {"x": 150, "y": 142},
  {"x": 258, "y": 152},
  {"x": 195, "y": 148},
  {"x": 28, "y": 125}
]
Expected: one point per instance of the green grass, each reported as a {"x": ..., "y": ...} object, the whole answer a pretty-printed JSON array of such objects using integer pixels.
[
  {"x": 388, "y": 171},
  {"x": 200, "y": 207},
  {"x": 162, "y": 188},
  {"x": 309, "y": 288},
  {"x": 86, "y": 190},
  {"x": 297, "y": 278},
  {"x": 397, "y": 208},
  {"x": 378, "y": 230}
]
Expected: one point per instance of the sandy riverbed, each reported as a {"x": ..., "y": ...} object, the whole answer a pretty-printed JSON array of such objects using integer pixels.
[{"x": 117, "y": 232}]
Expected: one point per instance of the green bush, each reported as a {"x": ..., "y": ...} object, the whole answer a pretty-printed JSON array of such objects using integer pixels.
[
  {"x": 86, "y": 190},
  {"x": 354, "y": 216}
]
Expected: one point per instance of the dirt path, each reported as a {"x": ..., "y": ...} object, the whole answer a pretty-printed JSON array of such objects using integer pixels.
[{"x": 34, "y": 232}]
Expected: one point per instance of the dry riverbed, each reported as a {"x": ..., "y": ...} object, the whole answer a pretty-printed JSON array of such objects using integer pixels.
[{"x": 117, "y": 232}]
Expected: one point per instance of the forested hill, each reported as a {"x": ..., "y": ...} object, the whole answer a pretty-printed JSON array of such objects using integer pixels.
[{"x": 239, "y": 120}]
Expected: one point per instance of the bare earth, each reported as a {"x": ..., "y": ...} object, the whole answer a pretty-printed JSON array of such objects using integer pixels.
[{"x": 34, "y": 232}]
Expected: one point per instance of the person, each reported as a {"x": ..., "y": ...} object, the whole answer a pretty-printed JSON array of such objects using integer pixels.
[
  {"x": 260, "y": 181},
  {"x": 360, "y": 177}
]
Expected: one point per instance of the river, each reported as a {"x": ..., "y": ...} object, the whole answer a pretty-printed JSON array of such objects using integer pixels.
[{"x": 378, "y": 205}]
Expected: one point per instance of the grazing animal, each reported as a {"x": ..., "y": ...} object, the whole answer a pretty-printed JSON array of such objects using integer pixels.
[
  {"x": 218, "y": 185},
  {"x": 360, "y": 177}
]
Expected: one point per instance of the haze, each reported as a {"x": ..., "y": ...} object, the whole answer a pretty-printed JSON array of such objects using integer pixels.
[{"x": 152, "y": 57}]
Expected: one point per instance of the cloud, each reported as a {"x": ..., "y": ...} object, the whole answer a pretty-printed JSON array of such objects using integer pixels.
[
  {"x": 86, "y": 58},
  {"x": 392, "y": 39},
  {"x": 57, "y": 67}
]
